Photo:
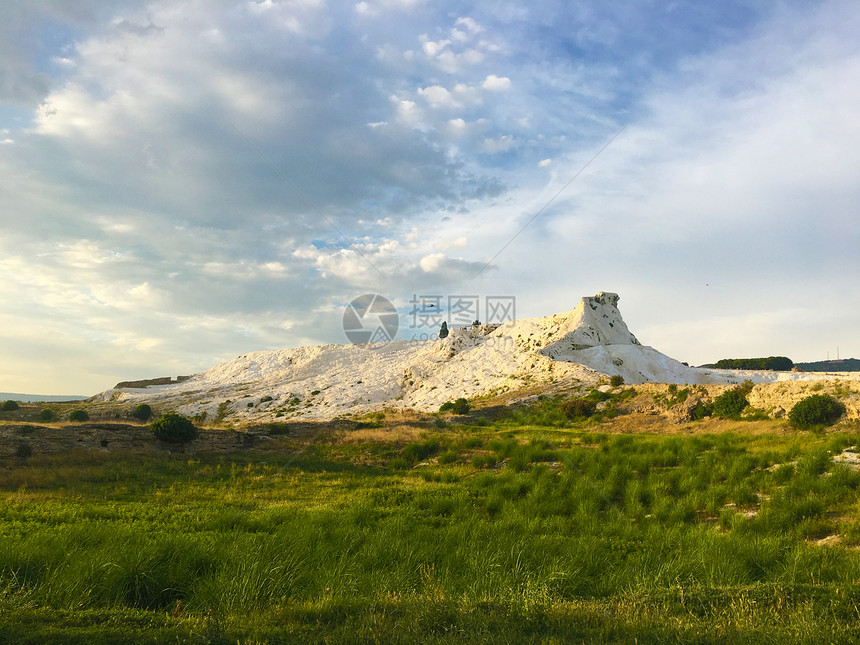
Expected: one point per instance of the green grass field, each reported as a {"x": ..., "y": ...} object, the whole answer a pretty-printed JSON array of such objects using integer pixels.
[{"x": 459, "y": 534}]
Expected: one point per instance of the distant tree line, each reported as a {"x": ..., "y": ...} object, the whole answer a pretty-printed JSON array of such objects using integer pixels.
[
  {"x": 841, "y": 365},
  {"x": 777, "y": 363}
]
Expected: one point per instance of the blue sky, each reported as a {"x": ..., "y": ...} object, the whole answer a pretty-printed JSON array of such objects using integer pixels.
[{"x": 183, "y": 182}]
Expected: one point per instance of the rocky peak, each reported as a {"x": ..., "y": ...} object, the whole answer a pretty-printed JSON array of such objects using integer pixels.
[{"x": 595, "y": 321}]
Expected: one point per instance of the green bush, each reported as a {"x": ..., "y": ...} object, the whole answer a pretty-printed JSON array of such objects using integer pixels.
[
  {"x": 174, "y": 428},
  {"x": 577, "y": 408},
  {"x": 142, "y": 412},
  {"x": 79, "y": 415},
  {"x": 460, "y": 406},
  {"x": 9, "y": 406},
  {"x": 815, "y": 410},
  {"x": 731, "y": 403},
  {"x": 616, "y": 381},
  {"x": 700, "y": 411},
  {"x": 47, "y": 415}
]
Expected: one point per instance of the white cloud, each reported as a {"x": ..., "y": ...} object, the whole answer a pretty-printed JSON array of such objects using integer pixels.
[
  {"x": 493, "y": 145},
  {"x": 469, "y": 24},
  {"x": 495, "y": 83},
  {"x": 543, "y": 163},
  {"x": 437, "y": 96}
]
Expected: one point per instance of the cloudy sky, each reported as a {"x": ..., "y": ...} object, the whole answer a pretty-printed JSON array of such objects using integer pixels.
[{"x": 183, "y": 182}]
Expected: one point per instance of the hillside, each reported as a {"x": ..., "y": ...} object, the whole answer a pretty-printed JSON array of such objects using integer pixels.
[
  {"x": 840, "y": 365},
  {"x": 557, "y": 352}
]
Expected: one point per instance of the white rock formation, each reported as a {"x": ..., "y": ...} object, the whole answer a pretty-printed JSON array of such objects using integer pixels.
[{"x": 322, "y": 382}]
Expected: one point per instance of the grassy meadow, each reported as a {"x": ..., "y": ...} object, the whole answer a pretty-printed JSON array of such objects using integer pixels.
[{"x": 520, "y": 530}]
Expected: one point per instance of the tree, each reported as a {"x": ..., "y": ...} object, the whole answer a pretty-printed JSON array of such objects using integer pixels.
[
  {"x": 9, "y": 406},
  {"x": 142, "y": 412},
  {"x": 443, "y": 331},
  {"x": 47, "y": 415},
  {"x": 174, "y": 428}
]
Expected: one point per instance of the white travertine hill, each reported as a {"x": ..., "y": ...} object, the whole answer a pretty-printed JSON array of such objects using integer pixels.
[{"x": 323, "y": 382}]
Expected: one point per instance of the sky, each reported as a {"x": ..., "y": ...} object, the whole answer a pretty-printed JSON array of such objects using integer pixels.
[{"x": 182, "y": 182}]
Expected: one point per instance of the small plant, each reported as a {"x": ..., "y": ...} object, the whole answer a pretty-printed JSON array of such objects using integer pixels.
[
  {"x": 448, "y": 457},
  {"x": 23, "y": 451},
  {"x": 174, "y": 428},
  {"x": 816, "y": 410},
  {"x": 398, "y": 463},
  {"x": 142, "y": 412},
  {"x": 9, "y": 406},
  {"x": 79, "y": 415},
  {"x": 616, "y": 380},
  {"x": 459, "y": 406},
  {"x": 47, "y": 415},
  {"x": 420, "y": 450},
  {"x": 266, "y": 399}
]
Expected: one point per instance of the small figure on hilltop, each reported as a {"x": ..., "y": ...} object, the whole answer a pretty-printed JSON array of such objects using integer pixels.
[{"x": 443, "y": 331}]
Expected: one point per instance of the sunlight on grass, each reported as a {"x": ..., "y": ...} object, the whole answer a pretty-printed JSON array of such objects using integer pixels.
[{"x": 469, "y": 533}]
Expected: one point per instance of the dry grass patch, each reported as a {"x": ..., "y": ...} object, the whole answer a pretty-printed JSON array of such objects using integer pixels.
[{"x": 397, "y": 434}]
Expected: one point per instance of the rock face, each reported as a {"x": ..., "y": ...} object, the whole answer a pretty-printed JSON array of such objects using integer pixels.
[
  {"x": 595, "y": 321},
  {"x": 565, "y": 350}
]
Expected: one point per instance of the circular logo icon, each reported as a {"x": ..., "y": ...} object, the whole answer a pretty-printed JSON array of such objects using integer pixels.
[{"x": 370, "y": 318}]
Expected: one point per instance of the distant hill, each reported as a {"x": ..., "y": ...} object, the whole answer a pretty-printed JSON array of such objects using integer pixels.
[
  {"x": 40, "y": 398},
  {"x": 841, "y": 365}
]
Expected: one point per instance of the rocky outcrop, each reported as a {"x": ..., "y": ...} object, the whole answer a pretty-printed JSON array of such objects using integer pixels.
[
  {"x": 163, "y": 380},
  {"x": 567, "y": 350}
]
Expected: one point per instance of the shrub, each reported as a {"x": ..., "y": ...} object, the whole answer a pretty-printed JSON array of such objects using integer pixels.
[
  {"x": 174, "y": 428},
  {"x": 9, "y": 406},
  {"x": 460, "y": 406},
  {"x": 700, "y": 411},
  {"x": 815, "y": 410},
  {"x": 47, "y": 415},
  {"x": 79, "y": 415},
  {"x": 142, "y": 412},
  {"x": 616, "y": 381},
  {"x": 577, "y": 408},
  {"x": 731, "y": 403}
]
